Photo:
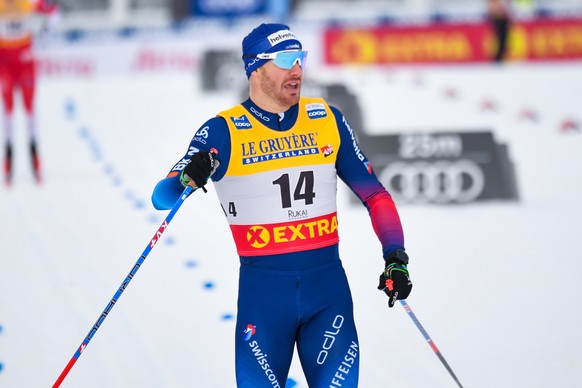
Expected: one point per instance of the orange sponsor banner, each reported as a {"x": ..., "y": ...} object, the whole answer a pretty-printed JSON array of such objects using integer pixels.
[{"x": 452, "y": 43}]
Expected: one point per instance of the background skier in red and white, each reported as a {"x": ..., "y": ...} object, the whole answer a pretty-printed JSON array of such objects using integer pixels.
[{"x": 18, "y": 21}]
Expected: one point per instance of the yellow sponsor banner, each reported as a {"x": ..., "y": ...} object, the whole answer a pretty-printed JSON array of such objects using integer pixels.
[{"x": 559, "y": 39}]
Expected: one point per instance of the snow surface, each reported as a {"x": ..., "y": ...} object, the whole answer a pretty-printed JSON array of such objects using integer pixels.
[{"x": 496, "y": 284}]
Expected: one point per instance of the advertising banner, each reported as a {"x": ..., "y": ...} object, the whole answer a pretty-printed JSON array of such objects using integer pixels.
[
  {"x": 125, "y": 58},
  {"x": 539, "y": 40},
  {"x": 442, "y": 167}
]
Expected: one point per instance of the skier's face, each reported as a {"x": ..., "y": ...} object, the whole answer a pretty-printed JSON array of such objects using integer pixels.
[{"x": 282, "y": 86}]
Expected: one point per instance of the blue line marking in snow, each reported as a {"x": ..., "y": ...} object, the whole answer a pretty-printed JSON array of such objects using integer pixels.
[
  {"x": 208, "y": 285},
  {"x": 96, "y": 152},
  {"x": 70, "y": 108},
  {"x": 191, "y": 264},
  {"x": 154, "y": 218},
  {"x": 83, "y": 132},
  {"x": 227, "y": 317},
  {"x": 116, "y": 181}
]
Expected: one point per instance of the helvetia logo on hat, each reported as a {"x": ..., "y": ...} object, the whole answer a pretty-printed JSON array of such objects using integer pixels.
[
  {"x": 241, "y": 122},
  {"x": 280, "y": 36}
]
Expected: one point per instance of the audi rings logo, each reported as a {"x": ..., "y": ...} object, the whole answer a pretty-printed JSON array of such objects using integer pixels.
[{"x": 459, "y": 181}]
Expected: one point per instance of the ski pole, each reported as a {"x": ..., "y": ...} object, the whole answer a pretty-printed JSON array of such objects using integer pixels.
[
  {"x": 429, "y": 340},
  {"x": 123, "y": 286}
]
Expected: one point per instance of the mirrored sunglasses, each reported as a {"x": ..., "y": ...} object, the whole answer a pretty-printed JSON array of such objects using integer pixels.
[{"x": 286, "y": 59}]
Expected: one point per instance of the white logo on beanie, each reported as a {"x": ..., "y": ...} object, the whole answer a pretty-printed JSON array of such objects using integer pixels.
[{"x": 280, "y": 36}]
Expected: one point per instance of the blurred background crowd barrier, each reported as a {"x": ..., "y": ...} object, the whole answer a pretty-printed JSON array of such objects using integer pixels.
[
  {"x": 147, "y": 13},
  {"x": 176, "y": 35}
]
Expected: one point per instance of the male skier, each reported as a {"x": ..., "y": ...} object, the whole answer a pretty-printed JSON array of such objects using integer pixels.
[{"x": 274, "y": 160}]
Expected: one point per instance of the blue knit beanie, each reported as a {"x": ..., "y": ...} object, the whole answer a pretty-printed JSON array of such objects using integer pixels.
[{"x": 266, "y": 38}]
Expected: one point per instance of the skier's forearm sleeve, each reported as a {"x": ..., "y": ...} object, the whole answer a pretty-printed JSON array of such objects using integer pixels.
[
  {"x": 386, "y": 221},
  {"x": 356, "y": 171},
  {"x": 166, "y": 193}
]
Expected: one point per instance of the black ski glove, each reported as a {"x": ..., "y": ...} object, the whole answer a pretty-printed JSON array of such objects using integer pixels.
[
  {"x": 201, "y": 166},
  {"x": 395, "y": 280}
]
